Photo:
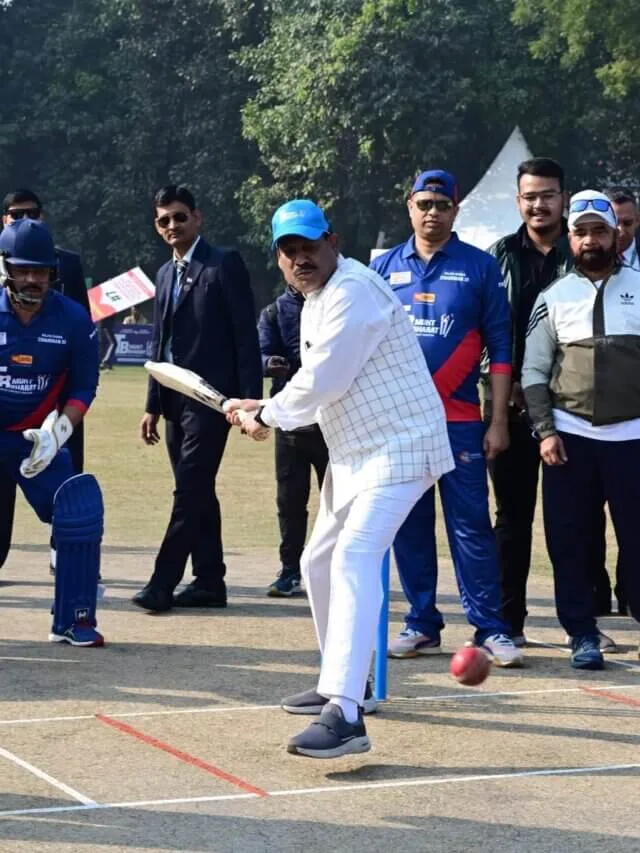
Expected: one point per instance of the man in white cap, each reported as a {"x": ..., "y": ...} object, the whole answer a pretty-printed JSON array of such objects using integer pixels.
[
  {"x": 582, "y": 388},
  {"x": 363, "y": 379}
]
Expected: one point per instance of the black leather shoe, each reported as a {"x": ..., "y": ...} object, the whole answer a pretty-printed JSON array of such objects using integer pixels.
[
  {"x": 152, "y": 598},
  {"x": 193, "y": 596}
]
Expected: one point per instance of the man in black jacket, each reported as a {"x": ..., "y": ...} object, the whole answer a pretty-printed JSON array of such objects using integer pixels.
[
  {"x": 297, "y": 451},
  {"x": 204, "y": 320},
  {"x": 16, "y": 205},
  {"x": 530, "y": 259}
]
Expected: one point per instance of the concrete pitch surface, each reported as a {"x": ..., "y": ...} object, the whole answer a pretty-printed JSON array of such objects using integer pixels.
[{"x": 170, "y": 738}]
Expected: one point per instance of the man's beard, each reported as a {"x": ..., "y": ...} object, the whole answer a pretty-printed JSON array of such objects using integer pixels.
[{"x": 594, "y": 260}]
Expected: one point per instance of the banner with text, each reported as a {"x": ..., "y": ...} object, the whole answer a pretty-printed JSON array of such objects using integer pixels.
[
  {"x": 133, "y": 344},
  {"x": 119, "y": 293}
]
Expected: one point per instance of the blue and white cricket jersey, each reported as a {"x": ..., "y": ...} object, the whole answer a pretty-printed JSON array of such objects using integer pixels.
[{"x": 52, "y": 359}]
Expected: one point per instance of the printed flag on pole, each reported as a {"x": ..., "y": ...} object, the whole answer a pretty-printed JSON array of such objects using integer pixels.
[{"x": 119, "y": 293}]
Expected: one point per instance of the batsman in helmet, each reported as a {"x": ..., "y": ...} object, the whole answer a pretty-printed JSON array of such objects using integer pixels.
[{"x": 48, "y": 345}]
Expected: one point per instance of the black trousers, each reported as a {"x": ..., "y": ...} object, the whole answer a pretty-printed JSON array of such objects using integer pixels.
[
  {"x": 572, "y": 496},
  {"x": 8, "y": 492},
  {"x": 196, "y": 438},
  {"x": 297, "y": 453},
  {"x": 514, "y": 474}
]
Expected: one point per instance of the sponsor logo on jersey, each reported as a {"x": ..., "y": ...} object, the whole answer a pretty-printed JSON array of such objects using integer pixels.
[
  {"x": 22, "y": 358},
  {"x": 51, "y": 339},
  {"x": 432, "y": 327},
  {"x": 429, "y": 298},
  {"x": 446, "y": 324},
  {"x": 467, "y": 457},
  {"x": 626, "y": 298},
  {"x": 3, "y": 338},
  {"x": 24, "y": 384},
  {"x": 454, "y": 275}
]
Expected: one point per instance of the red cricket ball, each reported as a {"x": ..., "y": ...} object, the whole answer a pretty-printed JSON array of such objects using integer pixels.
[{"x": 470, "y": 665}]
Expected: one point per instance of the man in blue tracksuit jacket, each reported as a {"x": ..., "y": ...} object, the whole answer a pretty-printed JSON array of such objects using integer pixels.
[
  {"x": 297, "y": 451},
  {"x": 458, "y": 303}
]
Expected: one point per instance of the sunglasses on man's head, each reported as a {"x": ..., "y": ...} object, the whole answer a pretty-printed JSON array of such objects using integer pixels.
[
  {"x": 178, "y": 216},
  {"x": 21, "y": 212},
  {"x": 427, "y": 204},
  {"x": 599, "y": 204}
]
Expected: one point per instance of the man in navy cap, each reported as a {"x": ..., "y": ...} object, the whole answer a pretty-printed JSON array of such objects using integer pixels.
[{"x": 457, "y": 301}]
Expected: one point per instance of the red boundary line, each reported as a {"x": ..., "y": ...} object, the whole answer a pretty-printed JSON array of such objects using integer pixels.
[
  {"x": 181, "y": 756},
  {"x": 626, "y": 700}
]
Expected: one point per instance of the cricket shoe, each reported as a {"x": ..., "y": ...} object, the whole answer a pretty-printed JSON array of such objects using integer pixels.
[
  {"x": 331, "y": 736},
  {"x": 312, "y": 703},
  {"x": 503, "y": 651},
  {"x": 285, "y": 585},
  {"x": 585, "y": 652},
  {"x": 608, "y": 645},
  {"x": 79, "y": 634},
  {"x": 411, "y": 644}
]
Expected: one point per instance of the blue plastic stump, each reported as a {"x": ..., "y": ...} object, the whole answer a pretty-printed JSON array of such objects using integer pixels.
[{"x": 380, "y": 675}]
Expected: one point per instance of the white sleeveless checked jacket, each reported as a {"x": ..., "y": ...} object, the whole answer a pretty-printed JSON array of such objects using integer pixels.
[{"x": 365, "y": 381}]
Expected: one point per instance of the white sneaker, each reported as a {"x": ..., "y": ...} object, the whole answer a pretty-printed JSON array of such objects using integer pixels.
[
  {"x": 607, "y": 644},
  {"x": 502, "y": 650},
  {"x": 410, "y": 643}
]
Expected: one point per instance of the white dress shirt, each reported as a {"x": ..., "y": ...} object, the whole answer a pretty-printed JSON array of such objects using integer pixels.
[
  {"x": 365, "y": 381},
  {"x": 186, "y": 258}
]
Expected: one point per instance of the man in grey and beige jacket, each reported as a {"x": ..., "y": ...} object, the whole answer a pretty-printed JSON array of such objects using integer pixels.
[{"x": 581, "y": 381}]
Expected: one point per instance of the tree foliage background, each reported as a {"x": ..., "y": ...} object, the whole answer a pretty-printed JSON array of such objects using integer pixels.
[{"x": 251, "y": 102}]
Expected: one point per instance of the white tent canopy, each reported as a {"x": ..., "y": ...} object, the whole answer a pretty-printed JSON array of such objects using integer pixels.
[{"x": 490, "y": 211}]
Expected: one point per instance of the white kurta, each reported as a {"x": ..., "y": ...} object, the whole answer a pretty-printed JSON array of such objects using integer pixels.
[{"x": 364, "y": 380}]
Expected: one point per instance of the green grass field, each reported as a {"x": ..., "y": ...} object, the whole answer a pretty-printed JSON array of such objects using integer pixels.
[{"x": 137, "y": 484}]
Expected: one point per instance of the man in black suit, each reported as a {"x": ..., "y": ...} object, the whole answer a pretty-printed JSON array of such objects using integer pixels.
[
  {"x": 204, "y": 320},
  {"x": 17, "y": 205}
]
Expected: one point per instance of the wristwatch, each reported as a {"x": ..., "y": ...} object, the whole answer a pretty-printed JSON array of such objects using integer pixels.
[{"x": 258, "y": 419}]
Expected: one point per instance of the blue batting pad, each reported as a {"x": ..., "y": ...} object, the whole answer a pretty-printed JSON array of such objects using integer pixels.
[{"x": 78, "y": 524}]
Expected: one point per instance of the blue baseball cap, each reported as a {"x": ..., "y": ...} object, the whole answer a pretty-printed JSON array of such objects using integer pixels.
[
  {"x": 437, "y": 181},
  {"x": 298, "y": 218}
]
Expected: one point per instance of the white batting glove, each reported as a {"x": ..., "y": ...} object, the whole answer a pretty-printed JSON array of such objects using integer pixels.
[{"x": 47, "y": 441}]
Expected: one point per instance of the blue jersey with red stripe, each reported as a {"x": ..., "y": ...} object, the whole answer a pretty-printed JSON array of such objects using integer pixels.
[
  {"x": 458, "y": 305},
  {"x": 51, "y": 360}
]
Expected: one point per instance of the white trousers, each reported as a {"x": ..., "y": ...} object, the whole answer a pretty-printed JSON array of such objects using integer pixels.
[{"x": 341, "y": 566}]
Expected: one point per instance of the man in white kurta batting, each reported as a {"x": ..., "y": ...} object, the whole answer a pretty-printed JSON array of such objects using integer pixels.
[{"x": 364, "y": 380}]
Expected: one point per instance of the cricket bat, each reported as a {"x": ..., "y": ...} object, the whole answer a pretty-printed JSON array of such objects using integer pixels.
[{"x": 190, "y": 384}]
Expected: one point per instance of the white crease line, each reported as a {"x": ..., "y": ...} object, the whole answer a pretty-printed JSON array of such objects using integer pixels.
[
  {"x": 232, "y": 709},
  {"x": 19, "y": 762},
  {"x": 482, "y": 695},
  {"x": 40, "y": 660},
  {"x": 215, "y": 710},
  {"x": 333, "y": 789}
]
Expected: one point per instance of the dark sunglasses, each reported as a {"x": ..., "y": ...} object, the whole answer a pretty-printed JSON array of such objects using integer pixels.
[
  {"x": 598, "y": 204},
  {"x": 427, "y": 204},
  {"x": 21, "y": 212},
  {"x": 178, "y": 216}
]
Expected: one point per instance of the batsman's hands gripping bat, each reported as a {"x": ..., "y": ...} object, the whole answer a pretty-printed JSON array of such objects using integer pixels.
[
  {"x": 242, "y": 413},
  {"x": 56, "y": 429}
]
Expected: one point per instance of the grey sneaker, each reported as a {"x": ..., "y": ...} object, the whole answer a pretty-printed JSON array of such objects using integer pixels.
[
  {"x": 311, "y": 702},
  {"x": 410, "y": 644},
  {"x": 331, "y": 736}
]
